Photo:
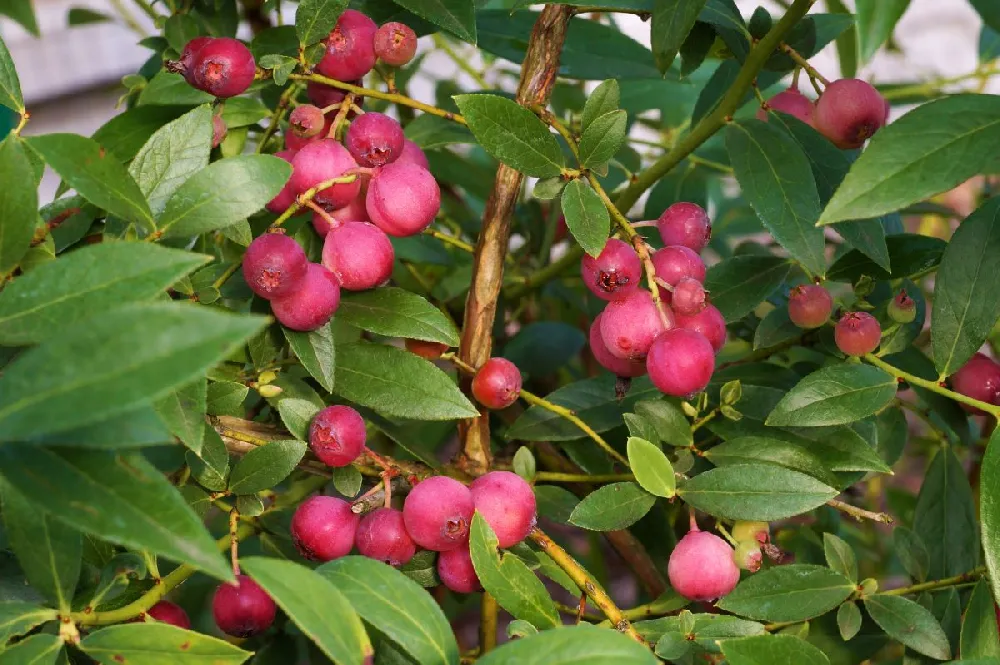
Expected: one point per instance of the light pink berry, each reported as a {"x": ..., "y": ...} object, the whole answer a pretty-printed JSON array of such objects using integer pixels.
[
  {"x": 709, "y": 322},
  {"x": 607, "y": 360},
  {"x": 685, "y": 224},
  {"x": 629, "y": 325},
  {"x": 681, "y": 362},
  {"x": 457, "y": 572},
  {"x": 507, "y": 503},
  {"x": 614, "y": 273},
  {"x": 403, "y": 199},
  {"x": 312, "y": 304},
  {"x": 337, "y": 435},
  {"x": 359, "y": 254},
  {"x": 701, "y": 567},
  {"x": 382, "y": 536},
  {"x": 438, "y": 514}
]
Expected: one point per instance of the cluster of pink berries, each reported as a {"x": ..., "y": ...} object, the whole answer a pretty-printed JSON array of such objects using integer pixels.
[
  {"x": 848, "y": 113},
  {"x": 675, "y": 344},
  {"x": 705, "y": 567},
  {"x": 855, "y": 333}
]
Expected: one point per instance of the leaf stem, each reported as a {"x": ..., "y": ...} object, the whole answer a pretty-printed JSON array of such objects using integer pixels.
[
  {"x": 931, "y": 385},
  {"x": 394, "y": 98},
  {"x": 804, "y": 64},
  {"x": 860, "y": 513},
  {"x": 565, "y": 413},
  {"x": 279, "y": 113},
  {"x": 450, "y": 240},
  {"x": 972, "y": 575},
  {"x": 488, "y": 623},
  {"x": 306, "y": 196},
  {"x": 556, "y": 477}
]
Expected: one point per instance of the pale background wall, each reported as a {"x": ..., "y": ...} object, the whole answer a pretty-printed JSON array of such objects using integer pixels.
[{"x": 70, "y": 76}]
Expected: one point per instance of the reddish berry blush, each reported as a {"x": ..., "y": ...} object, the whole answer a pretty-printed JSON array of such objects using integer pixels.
[
  {"x": 359, "y": 254},
  {"x": 849, "y": 112},
  {"x": 607, "y": 360},
  {"x": 979, "y": 379},
  {"x": 412, "y": 154},
  {"x": 809, "y": 306},
  {"x": 701, "y": 567},
  {"x": 323, "y": 528},
  {"x": 674, "y": 263},
  {"x": 171, "y": 613},
  {"x": 403, "y": 199},
  {"x": 223, "y": 67},
  {"x": 243, "y": 609},
  {"x": 374, "y": 139},
  {"x": 857, "y": 333},
  {"x": 274, "y": 265},
  {"x": 629, "y": 325},
  {"x": 708, "y": 322},
  {"x": 792, "y": 102},
  {"x": 614, "y": 273},
  {"x": 191, "y": 49},
  {"x": 688, "y": 297},
  {"x": 312, "y": 304},
  {"x": 337, "y": 435},
  {"x": 685, "y": 224},
  {"x": 321, "y": 161},
  {"x": 497, "y": 384},
  {"x": 350, "y": 48},
  {"x": 395, "y": 44},
  {"x": 382, "y": 536},
  {"x": 219, "y": 130},
  {"x": 507, "y": 503},
  {"x": 438, "y": 513},
  {"x": 681, "y": 362},
  {"x": 286, "y": 197},
  {"x": 457, "y": 572}
]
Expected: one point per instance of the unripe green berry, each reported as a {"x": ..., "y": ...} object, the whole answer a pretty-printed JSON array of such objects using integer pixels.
[
  {"x": 747, "y": 555},
  {"x": 902, "y": 308},
  {"x": 751, "y": 531}
]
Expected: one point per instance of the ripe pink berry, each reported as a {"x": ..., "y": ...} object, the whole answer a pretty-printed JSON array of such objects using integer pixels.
[
  {"x": 615, "y": 273},
  {"x": 457, "y": 572},
  {"x": 438, "y": 513},
  {"x": 708, "y": 322},
  {"x": 857, "y": 333},
  {"x": 286, "y": 197},
  {"x": 171, "y": 613},
  {"x": 382, "y": 536},
  {"x": 350, "y": 48},
  {"x": 321, "y": 161},
  {"x": 676, "y": 262},
  {"x": 306, "y": 121},
  {"x": 274, "y": 265},
  {"x": 223, "y": 67},
  {"x": 681, "y": 362},
  {"x": 354, "y": 211},
  {"x": 403, "y": 199},
  {"x": 685, "y": 224},
  {"x": 323, "y": 528},
  {"x": 701, "y": 566},
  {"x": 190, "y": 50},
  {"x": 902, "y": 308},
  {"x": 337, "y": 435},
  {"x": 610, "y": 362},
  {"x": 325, "y": 96},
  {"x": 312, "y": 304},
  {"x": 979, "y": 379},
  {"x": 243, "y": 609},
  {"x": 688, "y": 297},
  {"x": 809, "y": 306},
  {"x": 629, "y": 325},
  {"x": 359, "y": 254},
  {"x": 412, "y": 154},
  {"x": 425, "y": 349},
  {"x": 294, "y": 142},
  {"x": 219, "y": 130},
  {"x": 374, "y": 139},
  {"x": 849, "y": 112},
  {"x": 497, "y": 384},
  {"x": 507, "y": 503},
  {"x": 395, "y": 44},
  {"x": 792, "y": 102}
]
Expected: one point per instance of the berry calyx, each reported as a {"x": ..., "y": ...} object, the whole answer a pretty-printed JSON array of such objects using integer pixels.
[
  {"x": 614, "y": 273},
  {"x": 688, "y": 297},
  {"x": 497, "y": 384},
  {"x": 849, "y": 112},
  {"x": 792, "y": 102},
  {"x": 809, "y": 306},
  {"x": 171, "y": 613},
  {"x": 374, "y": 139},
  {"x": 382, "y": 536},
  {"x": 274, "y": 265},
  {"x": 507, "y": 503},
  {"x": 359, "y": 254},
  {"x": 242, "y": 609},
  {"x": 857, "y": 333},
  {"x": 902, "y": 308},
  {"x": 457, "y": 572},
  {"x": 979, "y": 379},
  {"x": 701, "y": 566},
  {"x": 323, "y": 528},
  {"x": 312, "y": 304},
  {"x": 403, "y": 199},
  {"x": 438, "y": 513},
  {"x": 674, "y": 263},
  {"x": 609, "y": 361},
  {"x": 685, "y": 224},
  {"x": 395, "y": 44},
  {"x": 681, "y": 362},
  {"x": 321, "y": 161},
  {"x": 709, "y": 322},
  {"x": 350, "y": 48},
  {"x": 223, "y": 67},
  {"x": 306, "y": 121},
  {"x": 630, "y": 325},
  {"x": 337, "y": 435}
]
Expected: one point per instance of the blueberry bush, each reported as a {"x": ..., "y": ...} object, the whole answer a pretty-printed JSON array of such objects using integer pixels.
[{"x": 619, "y": 355}]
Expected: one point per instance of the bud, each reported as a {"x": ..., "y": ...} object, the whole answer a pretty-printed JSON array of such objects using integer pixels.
[
  {"x": 902, "y": 308},
  {"x": 869, "y": 586},
  {"x": 753, "y": 531},
  {"x": 266, "y": 378},
  {"x": 269, "y": 391},
  {"x": 747, "y": 555}
]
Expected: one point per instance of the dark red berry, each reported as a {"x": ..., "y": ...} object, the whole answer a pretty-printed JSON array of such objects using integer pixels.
[
  {"x": 809, "y": 306},
  {"x": 792, "y": 102},
  {"x": 319, "y": 162},
  {"x": 857, "y": 333},
  {"x": 701, "y": 566},
  {"x": 350, "y": 48},
  {"x": 382, "y": 536},
  {"x": 323, "y": 528},
  {"x": 609, "y": 361},
  {"x": 676, "y": 262},
  {"x": 688, "y": 297},
  {"x": 709, "y": 322},
  {"x": 685, "y": 224},
  {"x": 274, "y": 265},
  {"x": 312, "y": 304},
  {"x": 191, "y": 49},
  {"x": 979, "y": 379},
  {"x": 438, "y": 513},
  {"x": 497, "y": 384},
  {"x": 337, "y": 435},
  {"x": 614, "y": 273},
  {"x": 359, "y": 254},
  {"x": 457, "y": 572},
  {"x": 395, "y": 44},
  {"x": 507, "y": 503},
  {"x": 243, "y": 609},
  {"x": 171, "y": 613},
  {"x": 849, "y": 112},
  {"x": 223, "y": 67},
  {"x": 374, "y": 139},
  {"x": 403, "y": 199},
  {"x": 681, "y": 362},
  {"x": 629, "y": 325}
]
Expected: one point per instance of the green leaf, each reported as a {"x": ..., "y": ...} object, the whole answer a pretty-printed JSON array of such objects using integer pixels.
[
  {"x": 910, "y": 623},
  {"x": 668, "y": 420},
  {"x": 945, "y": 516},
  {"x": 989, "y": 12},
  {"x": 225, "y": 398},
  {"x": 795, "y": 592},
  {"x": 989, "y": 509},
  {"x": 586, "y": 217},
  {"x": 394, "y": 382},
  {"x": 265, "y": 466},
  {"x": 95, "y": 175},
  {"x": 671, "y": 23},
  {"x": 603, "y": 138},
  {"x": 10, "y": 86},
  {"x": 18, "y": 203},
  {"x": 174, "y": 153},
  {"x": 430, "y": 131},
  {"x": 571, "y": 645},
  {"x": 544, "y": 346},
  {"x": 844, "y": 449},
  {"x": 840, "y": 556},
  {"x": 133, "y": 429},
  {"x": 158, "y": 644},
  {"x": 23, "y": 12},
  {"x": 912, "y": 552},
  {"x": 509, "y": 580},
  {"x": 512, "y": 134},
  {"x": 347, "y": 480},
  {"x": 316, "y": 351},
  {"x": 310, "y": 600},
  {"x": 737, "y": 285},
  {"x": 769, "y": 649},
  {"x": 612, "y": 507},
  {"x": 395, "y": 312},
  {"x": 651, "y": 467},
  {"x": 314, "y": 19},
  {"x": 456, "y": 16},
  {"x": 848, "y": 620},
  {"x": 774, "y": 329},
  {"x": 603, "y": 100},
  {"x": 909, "y": 254},
  {"x": 223, "y": 193},
  {"x": 980, "y": 638},
  {"x": 555, "y": 503},
  {"x": 297, "y": 414},
  {"x": 210, "y": 467},
  {"x": 120, "y": 498},
  {"x": 169, "y": 89},
  {"x": 395, "y": 606},
  {"x": 876, "y": 20},
  {"x": 835, "y": 395},
  {"x": 183, "y": 412},
  {"x": 39, "y": 649},
  {"x": 112, "y": 364},
  {"x": 126, "y": 133},
  {"x": 754, "y": 492},
  {"x": 85, "y": 282},
  {"x": 929, "y": 150},
  {"x": 17, "y": 618},
  {"x": 751, "y": 449},
  {"x": 777, "y": 181},
  {"x": 966, "y": 300}
]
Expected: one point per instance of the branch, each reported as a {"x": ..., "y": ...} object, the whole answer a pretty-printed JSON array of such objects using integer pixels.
[
  {"x": 860, "y": 513},
  {"x": 395, "y": 98},
  {"x": 931, "y": 385},
  {"x": 970, "y": 576}
]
